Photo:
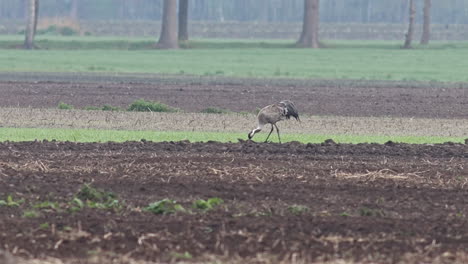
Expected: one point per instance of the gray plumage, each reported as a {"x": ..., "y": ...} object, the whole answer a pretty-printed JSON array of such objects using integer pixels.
[{"x": 271, "y": 114}]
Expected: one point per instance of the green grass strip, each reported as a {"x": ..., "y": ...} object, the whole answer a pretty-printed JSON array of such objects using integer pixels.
[
  {"x": 341, "y": 60},
  {"x": 94, "y": 135}
]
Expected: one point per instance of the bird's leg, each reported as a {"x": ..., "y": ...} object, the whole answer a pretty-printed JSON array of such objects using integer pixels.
[
  {"x": 277, "y": 130},
  {"x": 266, "y": 140}
]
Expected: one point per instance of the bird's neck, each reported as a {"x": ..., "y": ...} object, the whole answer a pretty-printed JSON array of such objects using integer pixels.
[{"x": 253, "y": 132}]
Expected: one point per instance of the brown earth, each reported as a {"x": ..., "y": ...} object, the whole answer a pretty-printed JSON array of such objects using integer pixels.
[
  {"x": 316, "y": 97},
  {"x": 364, "y": 203}
]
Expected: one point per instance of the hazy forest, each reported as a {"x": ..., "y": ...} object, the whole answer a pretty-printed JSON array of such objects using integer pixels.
[{"x": 331, "y": 11}]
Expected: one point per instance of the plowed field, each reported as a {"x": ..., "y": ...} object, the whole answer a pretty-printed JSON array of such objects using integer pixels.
[
  {"x": 192, "y": 94},
  {"x": 290, "y": 203}
]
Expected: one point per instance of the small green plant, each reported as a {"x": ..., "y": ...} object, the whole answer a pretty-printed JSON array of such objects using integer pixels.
[
  {"x": 148, "y": 106},
  {"x": 107, "y": 107},
  {"x": 47, "y": 205},
  {"x": 10, "y": 202},
  {"x": 91, "y": 197},
  {"x": 185, "y": 255},
  {"x": 344, "y": 214},
  {"x": 207, "y": 204},
  {"x": 214, "y": 110},
  {"x": 44, "y": 226},
  {"x": 64, "y": 106},
  {"x": 88, "y": 193},
  {"x": 298, "y": 209},
  {"x": 364, "y": 211},
  {"x": 77, "y": 204},
  {"x": 31, "y": 214},
  {"x": 165, "y": 206}
]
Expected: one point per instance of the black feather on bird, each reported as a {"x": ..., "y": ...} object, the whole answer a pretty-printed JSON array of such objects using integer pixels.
[{"x": 290, "y": 109}]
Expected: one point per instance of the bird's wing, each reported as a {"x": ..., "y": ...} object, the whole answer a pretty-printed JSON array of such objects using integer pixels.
[{"x": 291, "y": 109}]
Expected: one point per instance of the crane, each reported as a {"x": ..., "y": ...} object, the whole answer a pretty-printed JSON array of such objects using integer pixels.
[{"x": 273, "y": 113}]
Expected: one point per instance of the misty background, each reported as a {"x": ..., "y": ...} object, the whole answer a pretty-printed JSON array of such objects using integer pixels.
[{"x": 341, "y": 19}]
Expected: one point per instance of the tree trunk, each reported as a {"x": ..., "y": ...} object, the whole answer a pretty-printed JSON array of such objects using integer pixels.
[
  {"x": 220, "y": 12},
  {"x": 426, "y": 35},
  {"x": 409, "y": 35},
  {"x": 36, "y": 16},
  {"x": 310, "y": 25},
  {"x": 74, "y": 10},
  {"x": 30, "y": 32},
  {"x": 168, "y": 38},
  {"x": 369, "y": 11},
  {"x": 183, "y": 20}
]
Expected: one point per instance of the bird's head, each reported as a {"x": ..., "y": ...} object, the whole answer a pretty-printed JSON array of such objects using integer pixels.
[{"x": 250, "y": 135}]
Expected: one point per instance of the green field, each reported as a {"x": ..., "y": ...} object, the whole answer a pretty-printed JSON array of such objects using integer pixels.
[
  {"x": 95, "y": 135},
  {"x": 372, "y": 60}
]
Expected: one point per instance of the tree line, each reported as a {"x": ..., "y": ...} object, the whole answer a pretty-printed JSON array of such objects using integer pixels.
[
  {"x": 331, "y": 11},
  {"x": 175, "y": 14}
]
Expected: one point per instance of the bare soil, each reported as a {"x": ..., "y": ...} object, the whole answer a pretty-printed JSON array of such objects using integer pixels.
[
  {"x": 365, "y": 203},
  {"x": 193, "y": 94},
  {"x": 328, "y": 203}
]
